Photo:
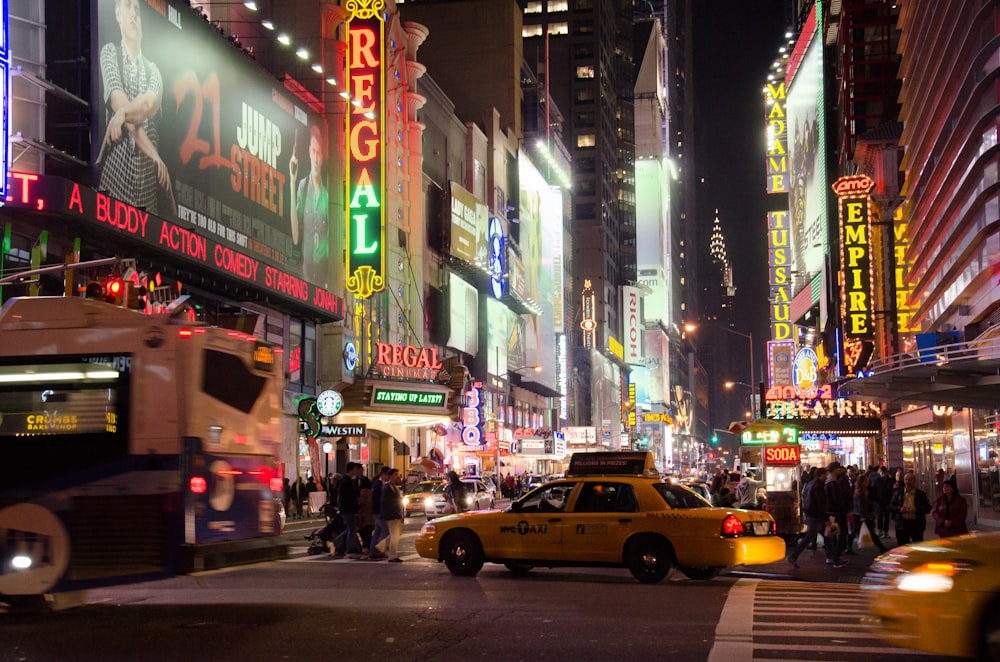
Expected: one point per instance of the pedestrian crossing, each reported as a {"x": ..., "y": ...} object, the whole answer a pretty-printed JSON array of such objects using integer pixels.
[{"x": 769, "y": 621}]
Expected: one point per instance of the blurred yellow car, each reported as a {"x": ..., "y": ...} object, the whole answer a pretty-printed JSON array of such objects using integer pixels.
[
  {"x": 611, "y": 509},
  {"x": 939, "y": 596}
]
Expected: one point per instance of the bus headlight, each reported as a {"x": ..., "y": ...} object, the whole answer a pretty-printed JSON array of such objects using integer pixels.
[{"x": 21, "y": 562}]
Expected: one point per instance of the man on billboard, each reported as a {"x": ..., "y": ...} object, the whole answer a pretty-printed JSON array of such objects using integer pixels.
[
  {"x": 131, "y": 167},
  {"x": 310, "y": 210}
]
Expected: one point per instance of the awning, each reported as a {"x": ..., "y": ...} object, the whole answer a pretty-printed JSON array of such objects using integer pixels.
[{"x": 958, "y": 374}]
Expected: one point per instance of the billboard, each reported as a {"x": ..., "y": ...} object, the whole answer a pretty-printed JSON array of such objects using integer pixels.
[
  {"x": 463, "y": 311},
  {"x": 807, "y": 153},
  {"x": 469, "y": 220},
  {"x": 189, "y": 129},
  {"x": 632, "y": 318}
]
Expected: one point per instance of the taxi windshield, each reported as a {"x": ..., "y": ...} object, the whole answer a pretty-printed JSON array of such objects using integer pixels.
[{"x": 678, "y": 496}]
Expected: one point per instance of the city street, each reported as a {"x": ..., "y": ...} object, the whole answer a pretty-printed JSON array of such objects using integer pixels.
[{"x": 308, "y": 607}]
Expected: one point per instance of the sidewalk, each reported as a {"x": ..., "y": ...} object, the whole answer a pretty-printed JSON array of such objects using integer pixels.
[{"x": 813, "y": 566}]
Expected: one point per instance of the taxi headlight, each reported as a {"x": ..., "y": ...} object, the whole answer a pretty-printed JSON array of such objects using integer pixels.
[
  {"x": 20, "y": 562},
  {"x": 937, "y": 577},
  {"x": 469, "y": 500},
  {"x": 428, "y": 529},
  {"x": 429, "y": 502}
]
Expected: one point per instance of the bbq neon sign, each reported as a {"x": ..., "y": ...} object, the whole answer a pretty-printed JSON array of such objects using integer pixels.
[{"x": 365, "y": 164}]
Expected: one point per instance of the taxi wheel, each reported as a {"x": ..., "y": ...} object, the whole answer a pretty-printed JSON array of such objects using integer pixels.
[
  {"x": 650, "y": 559},
  {"x": 462, "y": 553},
  {"x": 700, "y": 572},
  {"x": 518, "y": 568}
]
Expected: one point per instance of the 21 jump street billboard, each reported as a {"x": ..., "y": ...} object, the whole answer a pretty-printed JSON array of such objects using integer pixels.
[{"x": 190, "y": 129}]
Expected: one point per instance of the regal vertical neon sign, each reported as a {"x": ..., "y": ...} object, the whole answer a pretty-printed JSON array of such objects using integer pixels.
[{"x": 365, "y": 169}]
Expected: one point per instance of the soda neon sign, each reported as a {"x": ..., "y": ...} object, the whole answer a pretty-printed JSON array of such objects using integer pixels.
[
  {"x": 781, "y": 455},
  {"x": 365, "y": 164}
]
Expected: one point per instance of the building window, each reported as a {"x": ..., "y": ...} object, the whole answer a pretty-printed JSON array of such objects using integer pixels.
[
  {"x": 585, "y": 95},
  {"x": 558, "y": 5},
  {"x": 585, "y": 71},
  {"x": 559, "y": 28},
  {"x": 585, "y": 140},
  {"x": 533, "y": 8},
  {"x": 531, "y": 31}
]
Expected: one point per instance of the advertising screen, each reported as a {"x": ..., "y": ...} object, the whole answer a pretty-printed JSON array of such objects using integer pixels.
[
  {"x": 463, "y": 306},
  {"x": 806, "y": 151},
  {"x": 188, "y": 128}
]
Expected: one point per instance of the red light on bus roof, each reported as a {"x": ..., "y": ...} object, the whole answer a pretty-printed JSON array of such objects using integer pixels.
[
  {"x": 200, "y": 330},
  {"x": 185, "y": 332},
  {"x": 230, "y": 472},
  {"x": 198, "y": 485},
  {"x": 276, "y": 485},
  {"x": 241, "y": 439}
]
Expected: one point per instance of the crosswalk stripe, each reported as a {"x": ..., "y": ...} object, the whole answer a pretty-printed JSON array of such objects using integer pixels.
[{"x": 765, "y": 622}]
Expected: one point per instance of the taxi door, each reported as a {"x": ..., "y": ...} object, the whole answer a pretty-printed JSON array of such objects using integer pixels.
[
  {"x": 604, "y": 515},
  {"x": 535, "y": 531}
]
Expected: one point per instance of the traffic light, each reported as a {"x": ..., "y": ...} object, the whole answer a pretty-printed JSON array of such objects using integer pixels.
[
  {"x": 114, "y": 290},
  {"x": 715, "y": 438}
]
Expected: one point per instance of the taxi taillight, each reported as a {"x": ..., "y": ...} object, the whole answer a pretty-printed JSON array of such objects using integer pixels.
[{"x": 732, "y": 526}]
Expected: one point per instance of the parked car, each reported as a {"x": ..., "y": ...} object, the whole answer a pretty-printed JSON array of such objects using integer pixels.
[
  {"x": 477, "y": 497},
  {"x": 487, "y": 480},
  {"x": 413, "y": 500},
  {"x": 531, "y": 482}
]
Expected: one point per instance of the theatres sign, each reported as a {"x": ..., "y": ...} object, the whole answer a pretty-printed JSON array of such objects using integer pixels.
[{"x": 839, "y": 408}]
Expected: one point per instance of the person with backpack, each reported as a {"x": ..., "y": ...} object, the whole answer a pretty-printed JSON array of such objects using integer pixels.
[{"x": 814, "y": 509}]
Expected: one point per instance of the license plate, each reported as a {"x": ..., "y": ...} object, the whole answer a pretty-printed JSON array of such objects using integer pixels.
[{"x": 761, "y": 528}]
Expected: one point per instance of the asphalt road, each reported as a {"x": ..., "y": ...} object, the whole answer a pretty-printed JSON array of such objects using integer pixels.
[{"x": 317, "y": 608}]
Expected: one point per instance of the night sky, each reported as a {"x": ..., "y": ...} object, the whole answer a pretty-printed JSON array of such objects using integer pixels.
[{"x": 735, "y": 42}]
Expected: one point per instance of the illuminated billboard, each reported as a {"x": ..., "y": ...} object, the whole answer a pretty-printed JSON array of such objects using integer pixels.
[
  {"x": 463, "y": 314},
  {"x": 856, "y": 264},
  {"x": 469, "y": 220},
  {"x": 779, "y": 264},
  {"x": 365, "y": 164},
  {"x": 191, "y": 130},
  {"x": 777, "y": 137},
  {"x": 807, "y": 153}
]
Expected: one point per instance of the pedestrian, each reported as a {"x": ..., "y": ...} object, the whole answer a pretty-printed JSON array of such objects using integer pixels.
[
  {"x": 746, "y": 491},
  {"x": 882, "y": 489},
  {"x": 347, "y": 501},
  {"x": 366, "y": 521},
  {"x": 950, "y": 510},
  {"x": 511, "y": 486},
  {"x": 286, "y": 496},
  {"x": 815, "y": 508},
  {"x": 838, "y": 503},
  {"x": 380, "y": 531},
  {"x": 299, "y": 494},
  {"x": 392, "y": 512},
  {"x": 722, "y": 498},
  {"x": 864, "y": 513},
  {"x": 455, "y": 493},
  {"x": 909, "y": 508}
]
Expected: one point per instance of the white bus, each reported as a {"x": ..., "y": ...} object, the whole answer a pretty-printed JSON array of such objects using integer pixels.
[{"x": 128, "y": 442}]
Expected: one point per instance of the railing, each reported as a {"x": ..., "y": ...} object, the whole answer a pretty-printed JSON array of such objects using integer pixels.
[{"x": 940, "y": 355}]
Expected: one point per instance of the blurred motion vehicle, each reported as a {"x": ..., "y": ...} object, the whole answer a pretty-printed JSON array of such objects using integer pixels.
[
  {"x": 413, "y": 501},
  {"x": 477, "y": 497},
  {"x": 699, "y": 487},
  {"x": 939, "y": 596},
  {"x": 611, "y": 509},
  {"x": 531, "y": 482},
  {"x": 132, "y": 442}
]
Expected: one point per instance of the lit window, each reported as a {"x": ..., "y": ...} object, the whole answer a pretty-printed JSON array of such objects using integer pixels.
[
  {"x": 558, "y": 5},
  {"x": 531, "y": 31},
  {"x": 585, "y": 140},
  {"x": 533, "y": 8},
  {"x": 585, "y": 71},
  {"x": 559, "y": 28}
]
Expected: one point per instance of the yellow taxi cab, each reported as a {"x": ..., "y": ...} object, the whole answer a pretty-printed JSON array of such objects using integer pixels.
[
  {"x": 611, "y": 509},
  {"x": 939, "y": 596}
]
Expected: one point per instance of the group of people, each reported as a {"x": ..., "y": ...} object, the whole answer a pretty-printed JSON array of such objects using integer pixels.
[
  {"x": 838, "y": 502},
  {"x": 372, "y": 511}
]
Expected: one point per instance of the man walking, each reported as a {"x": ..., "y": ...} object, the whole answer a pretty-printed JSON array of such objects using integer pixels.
[
  {"x": 815, "y": 508},
  {"x": 380, "y": 531},
  {"x": 837, "y": 505},
  {"x": 392, "y": 513},
  {"x": 347, "y": 500}
]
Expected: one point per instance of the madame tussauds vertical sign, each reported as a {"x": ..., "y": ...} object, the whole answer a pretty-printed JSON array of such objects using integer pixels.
[{"x": 365, "y": 176}]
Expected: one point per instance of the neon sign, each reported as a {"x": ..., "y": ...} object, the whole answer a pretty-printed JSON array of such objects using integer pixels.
[
  {"x": 407, "y": 361},
  {"x": 779, "y": 262},
  {"x": 777, "y": 138},
  {"x": 397, "y": 396},
  {"x": 56, "y": 194},
  {"x": 588, "y": 324},
  {"x": 365, "y": 164},
  {"x": 856, "y": 275},
  {"x": 472, "y": 433},
  {"x": 498, "y": 258}
]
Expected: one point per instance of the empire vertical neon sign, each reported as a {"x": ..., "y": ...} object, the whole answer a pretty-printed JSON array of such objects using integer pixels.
[{"x": 365, "y": 163}]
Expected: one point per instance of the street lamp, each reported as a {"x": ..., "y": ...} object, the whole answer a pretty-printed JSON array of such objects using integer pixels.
[{"x": 691, "y": 327}]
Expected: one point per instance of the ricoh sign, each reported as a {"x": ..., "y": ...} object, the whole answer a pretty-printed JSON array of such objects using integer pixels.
[{"x": 632, "y": 317}]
